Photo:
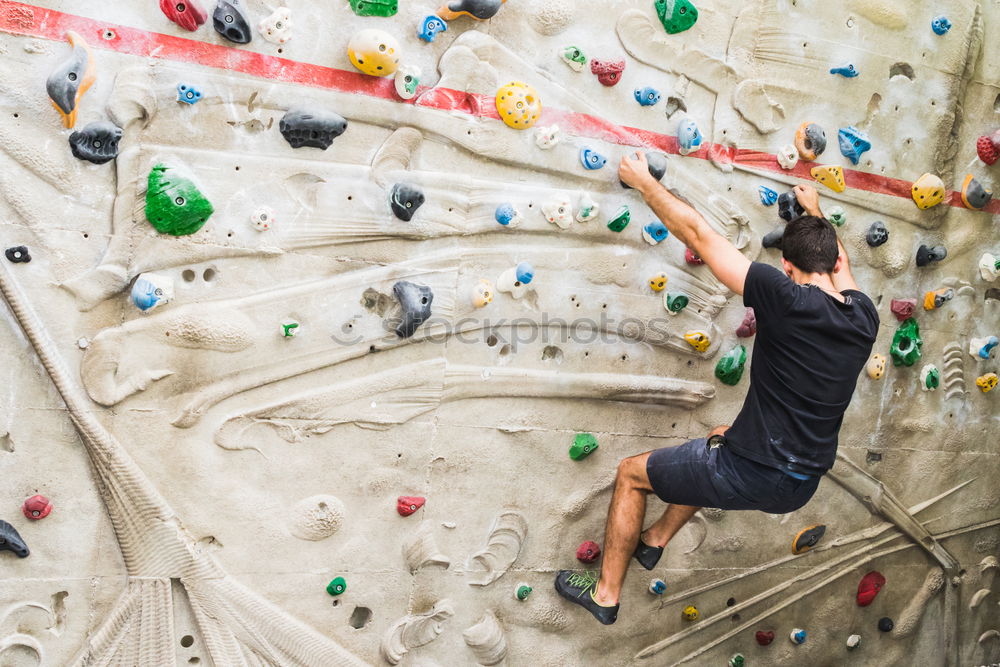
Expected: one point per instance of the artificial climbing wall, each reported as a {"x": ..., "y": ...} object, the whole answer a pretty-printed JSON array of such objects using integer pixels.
[{"x": 277, "y": 417}]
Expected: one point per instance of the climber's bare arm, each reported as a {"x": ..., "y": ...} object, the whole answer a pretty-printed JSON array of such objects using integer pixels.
[
  {"x": 842, "y": 277},
  {"x": 728, "y": 264}
]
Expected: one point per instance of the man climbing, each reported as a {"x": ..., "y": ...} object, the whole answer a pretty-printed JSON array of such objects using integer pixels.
[{"x": 815, "y": 331}]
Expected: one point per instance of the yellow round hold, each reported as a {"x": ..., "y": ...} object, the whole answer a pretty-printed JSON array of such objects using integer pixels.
[
  {"x": 928, "y": 191},
  {"x": 374, "y": 52},
  {"x": 518, "y": 105},
  {"x": 699, "y": 340}
]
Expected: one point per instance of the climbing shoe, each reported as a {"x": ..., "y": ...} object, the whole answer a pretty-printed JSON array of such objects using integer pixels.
[
  {"x": 807, "y": 539},
  {"x": 647, "y": 556},
  {"x": 580, "y": 587}
]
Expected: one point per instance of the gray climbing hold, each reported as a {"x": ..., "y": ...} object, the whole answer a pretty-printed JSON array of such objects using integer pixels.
[
  {"x": 18, "y": 254},
  {"x": 10, "y": 540},
  {"x": 405, "y": 199},
  {"x": 416, "y": 301},
  {"x": 231, "y": 21},
  {"x": 657, "y": 167},
  {"x": 877, "y": 234},
  {"x": 97, "y": 143},
  {"x": 309, "y": 127},
  {"x": 773, "y": 239},
  {"x": 927, "y": 255},
  {"x": 71, "y": 79},
  {"x": 789, "y": 207}
]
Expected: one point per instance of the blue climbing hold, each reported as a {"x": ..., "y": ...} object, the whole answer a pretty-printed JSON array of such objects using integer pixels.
[
  {"x": 507, "y": 215},
  {"x": 188, "y": 94},
  {"x": 940, "y": 25},
  {"x": 591, "y": 159},
  {"x": 798, "y": 636},
  {"x": 430, "y": 27},
  {"x": 657, "y": 587},
  {"x": 985, "y": 346},
  {"x": 688, "y": 137},
  {"x": 849, "y": 71},
  {"x": 853, "y": 143},
  {"x": 525, "y": 273},
  {"x": 768, "y": 197},
  {"x": 655, "y": 232},
  {"x": 647, "y": 96}
]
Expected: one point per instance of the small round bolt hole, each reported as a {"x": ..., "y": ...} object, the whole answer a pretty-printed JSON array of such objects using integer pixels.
[{"x": 187, "y": 641}]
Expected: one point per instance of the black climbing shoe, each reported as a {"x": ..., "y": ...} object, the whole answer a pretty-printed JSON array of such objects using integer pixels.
[
  {"x": 807, "y": 539},
  {"x": 647, "y": 556},
  {"x": 579, "y": 587}
]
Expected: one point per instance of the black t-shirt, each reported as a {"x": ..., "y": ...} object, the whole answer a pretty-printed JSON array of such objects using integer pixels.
[{"x": 809, "y": 350}]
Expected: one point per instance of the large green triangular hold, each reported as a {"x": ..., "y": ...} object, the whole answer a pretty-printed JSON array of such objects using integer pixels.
[
  {"x": 174, "y": 204},
  {"x": 375, "y": 7},
  {"x": 676, "y": 15}
]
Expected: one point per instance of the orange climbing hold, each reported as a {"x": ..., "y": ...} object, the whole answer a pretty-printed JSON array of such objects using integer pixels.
[{"x": 830, "y": 176}]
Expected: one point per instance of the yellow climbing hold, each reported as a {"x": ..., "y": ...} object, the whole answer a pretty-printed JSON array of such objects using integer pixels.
[
  {"x": 518, "y": 105},
  {"x": 698, "y": 340},
  {"x": 987, "y": 382},
  {"x": 928, "y": 191},
  {"x": 658, "y": 282},
  {"x": 830, "y": 176}
]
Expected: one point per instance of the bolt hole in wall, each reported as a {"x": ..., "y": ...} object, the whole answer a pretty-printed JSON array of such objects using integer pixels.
[
  {"x": 194, "y": 661},
  {"x": 187, "y": 641}
]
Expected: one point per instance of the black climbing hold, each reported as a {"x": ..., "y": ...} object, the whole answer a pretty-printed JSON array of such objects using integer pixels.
[
  {"x": 97, "y": 143},
  {"x": 885, "y": 624},
  {"x": 18, "y": 254},
  {"x": 789, "y": 207},
  {"x": 657, "y": 167},
  {"x": 926, "y": 255},
  {"x": 10, "y": 540},
  {"x": 877, "y": 234},
  {"x": 231, "y": 21},
  {"x": 416, "y": 301},
  {"x": 405, "y": 199},
  {"x": 992, "y": 293},
  {"x": 309, "y": 127},
  {"x": 774, "y": 238}
]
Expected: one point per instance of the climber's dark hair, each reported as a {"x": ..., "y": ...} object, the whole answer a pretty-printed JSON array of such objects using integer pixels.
[{"x": 810, "y": 243}]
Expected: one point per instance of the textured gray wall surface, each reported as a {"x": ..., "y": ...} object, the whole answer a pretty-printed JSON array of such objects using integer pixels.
[{"x": 210, "y": 475}]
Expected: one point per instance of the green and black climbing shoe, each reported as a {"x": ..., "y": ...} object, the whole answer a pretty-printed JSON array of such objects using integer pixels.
[
  {"x": 579, "y": 587},
  {"x": 647, "y": 556}
]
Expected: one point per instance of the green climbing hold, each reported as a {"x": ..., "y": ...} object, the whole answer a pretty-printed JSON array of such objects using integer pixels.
[
  {"x": 337, "y": 586},
  {"x": 620, "y": 219},
  {"x": 906, "y": 344},
  {"x": 583, "y": 446},
  {"x": 730, "y": 367},
  {"x": 676, "y": 15},
  {"x": 737, "y": 660},
  {"x": 174, "y": 204},
  {"x": 675, "y": 303},
  {"x": 375, "y": 7},
  {"x": 523, "y": 591}
]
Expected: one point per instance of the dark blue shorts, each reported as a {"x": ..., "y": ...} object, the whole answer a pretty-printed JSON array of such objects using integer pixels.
[{"x": 702, "y": 476}]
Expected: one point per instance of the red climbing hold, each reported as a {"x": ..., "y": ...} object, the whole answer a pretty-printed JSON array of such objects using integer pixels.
[
  {"x": 407, "y": 505},
  {"x": 691, "y": 258},
  {"x": 749, "y": 326},
  {"x": 588, "y": 552},
  {"x": 764, "y": 638},
  {"x": 36, "y": 507},
  {"x": 989, "y": 148},
  {"x": 609, "y": 72},
  {"x": 903, "y": 308},
  {"x": 869, "y": 587},
  {"x": 188, "y": 14}
]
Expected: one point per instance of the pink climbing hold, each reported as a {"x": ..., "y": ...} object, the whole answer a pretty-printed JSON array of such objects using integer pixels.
[
  {"x": 407, "y": 505},
  {"x": 903, "y": 309},
  {"x": 609, "y": 72},
  {"x": 36, "y": 507},
  {"x": 749, "y": 326},
  {"x": 188, "y": 14},
  {"x": 691, "y": 258},
  {"x": 588, "y": 552},
  {"x": 869, "y": 587}
]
